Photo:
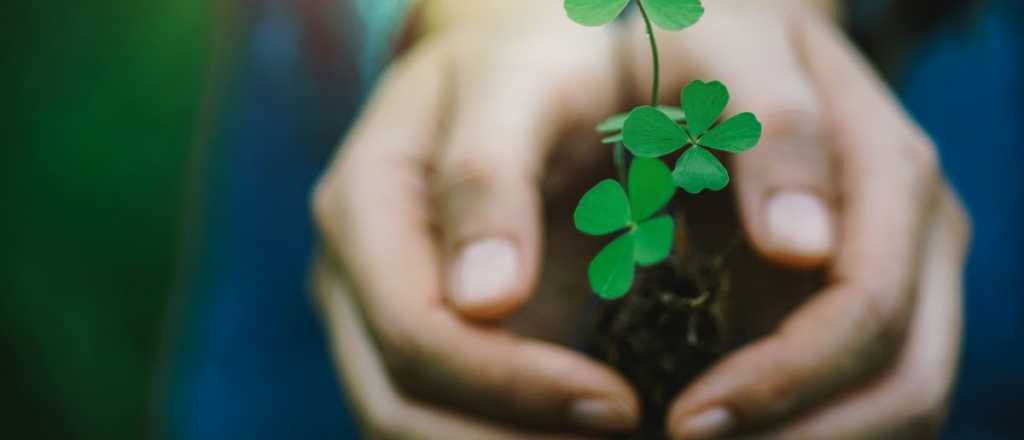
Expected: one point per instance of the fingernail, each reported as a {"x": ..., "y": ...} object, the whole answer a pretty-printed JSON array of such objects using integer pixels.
[
  {"x": 601, "y": 415},
  {"x": 708, "y": 425},
  {"x": 799, "y": 222},
  {"x": 484, "y": 271}
]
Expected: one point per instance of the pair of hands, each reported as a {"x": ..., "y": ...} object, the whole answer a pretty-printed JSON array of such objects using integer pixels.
[{"x": 448, "y": 210}]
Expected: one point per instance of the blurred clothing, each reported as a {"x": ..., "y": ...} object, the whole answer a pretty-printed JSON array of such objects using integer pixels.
[
  {"x": 101, "y": 99},
  {"x": 252, "y": 359}
]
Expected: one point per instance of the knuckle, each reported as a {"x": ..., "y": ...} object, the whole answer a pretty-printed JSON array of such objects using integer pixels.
[
  {"x": 467, "y": 172},
  {"x": 791, "y": 120},
  {"x": 459, "y": 168}
]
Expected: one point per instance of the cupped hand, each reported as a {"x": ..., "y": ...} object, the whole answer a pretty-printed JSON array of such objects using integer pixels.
[
  {"x": 432, "y": 220},
  {"x": 845, "y": 181}
]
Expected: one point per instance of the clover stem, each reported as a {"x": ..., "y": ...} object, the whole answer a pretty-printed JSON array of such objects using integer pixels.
[
  {"x": 656, "y": 85},
  {"x": 619, "y": 158},
  {"x": 619, "y": 152}
]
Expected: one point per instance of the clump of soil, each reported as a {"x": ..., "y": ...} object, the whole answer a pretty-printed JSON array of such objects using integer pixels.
[{"x": 665, "y": 332}]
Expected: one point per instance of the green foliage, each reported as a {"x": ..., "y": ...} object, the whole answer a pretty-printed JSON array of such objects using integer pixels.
[
  {"x": 698, "y": 169},
  {"x": 705, "y": 101},
  {"x": 650, "y": 187},
  {"x": 672, "y": 15},
  {"x": 612, "y": 271},
  {"x": 602, "y": 210},
  {"x": 614, "y": 123},
  {"x": 649, "y": 133},
  {"x": 736, "y": 135},
  {"x": 594, "y": 12},
  {"x": 654, "y": 240},
  {"x": 606, "y": 209}
]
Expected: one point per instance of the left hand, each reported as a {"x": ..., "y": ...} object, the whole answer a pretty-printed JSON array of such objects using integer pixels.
[{"x": 844, "y": 181}]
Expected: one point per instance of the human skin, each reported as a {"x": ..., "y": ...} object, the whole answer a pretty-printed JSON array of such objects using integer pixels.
[{"x": 445, "y": 212}]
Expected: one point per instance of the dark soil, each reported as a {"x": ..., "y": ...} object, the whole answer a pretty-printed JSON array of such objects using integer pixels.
[{"x": 664, "y": 333}]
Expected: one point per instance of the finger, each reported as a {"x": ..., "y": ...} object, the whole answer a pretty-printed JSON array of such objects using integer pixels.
[
  {"x": 383, "y": 411},
  {"x": 847, "y": 332},
  {"x": 785, "y": 187},
  {"x": 910, "y": 400},
  {"x": 374, "y": 214},
  {"x": 505, "y": 119}
]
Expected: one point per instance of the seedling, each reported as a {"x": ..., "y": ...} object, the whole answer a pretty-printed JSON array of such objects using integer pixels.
[{"x": 648, "y": 134}]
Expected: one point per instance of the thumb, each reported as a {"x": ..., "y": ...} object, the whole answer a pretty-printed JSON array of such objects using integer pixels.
[
  {"x": 490, "y": 221},
  {"x": 489, "y": 203},
  {"x": 785, "y": 187}
]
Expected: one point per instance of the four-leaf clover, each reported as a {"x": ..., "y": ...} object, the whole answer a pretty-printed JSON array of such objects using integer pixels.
[
  {"x": 671, "y": 15},
  {"x": 647, "y": 132},
  {"x": 606, "y": 208}
]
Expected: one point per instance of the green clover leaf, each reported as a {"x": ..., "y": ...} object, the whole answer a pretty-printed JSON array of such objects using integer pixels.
[
  {"x": 674, "y": 15},
  {"x": 704, "y": 102},
  {"x": 671, "y": 15},
  {"x": 650, "y": 187},
  {"x": 603, "y": 210},
  {"x": 614, "y": 123},
  {"x": 648, "y": 132},
  {"x": 697, "y": 169},
  {"x": 653, "y": 240},
  {"x": 606, "y": 208},
  {"x": 612, "y": 271},
  {"x": 594, "y": 12},
  {"x": 736, "y": 135}
]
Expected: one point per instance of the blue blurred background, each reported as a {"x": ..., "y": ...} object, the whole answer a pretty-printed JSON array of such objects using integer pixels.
[{"x": 156, "y": 231}]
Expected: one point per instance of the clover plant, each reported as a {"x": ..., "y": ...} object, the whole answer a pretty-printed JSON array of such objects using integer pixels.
[{"x": 649, "y": 133}]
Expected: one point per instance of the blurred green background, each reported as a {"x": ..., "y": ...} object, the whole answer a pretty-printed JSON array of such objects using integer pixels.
[{"x": 92, "y": 225}]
